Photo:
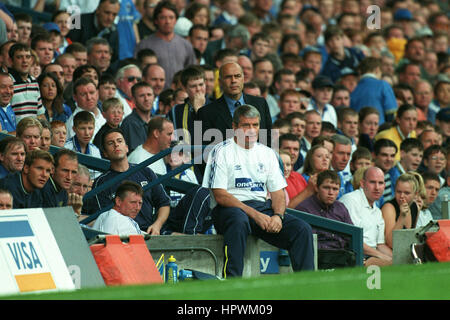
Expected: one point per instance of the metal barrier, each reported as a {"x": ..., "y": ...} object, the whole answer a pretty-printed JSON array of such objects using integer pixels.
[
  {"x": 37, "y": 17},
  {"x": 166, "y": 180}
]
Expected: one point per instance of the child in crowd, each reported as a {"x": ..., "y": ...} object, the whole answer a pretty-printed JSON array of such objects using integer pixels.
[
  {"x": 83, "y": 126},
  {"x": 180, "y": 155},
  {"x": 59, "y": 133},
  {"x": 435, "y": 161},
  {"x": 432, "y": 185},
  {"x": 361, "y": 159},
  {"x": 279, "y": 127},
  {"x": 62, "y": 19},
  {"x": 106, "y": 88},
  {"x": 112, "y": 111}
]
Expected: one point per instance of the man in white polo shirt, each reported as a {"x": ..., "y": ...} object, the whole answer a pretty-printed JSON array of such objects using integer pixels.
[
  {"x": 120, "y": 219},
  {"x": 240, "y": 172},
  {"x": 365, "y": 214}
]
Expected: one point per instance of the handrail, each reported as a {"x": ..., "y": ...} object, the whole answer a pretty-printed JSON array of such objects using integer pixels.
[
  {"x": 124, "y": 175},
  {"x": 91, "y": 162},
  {"x": 35, "y": 15},
  {"x": 354, "y": 232},
  {"x": 138, "y": 167}
]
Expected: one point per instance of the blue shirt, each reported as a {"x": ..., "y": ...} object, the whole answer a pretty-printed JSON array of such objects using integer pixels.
[
  {"x": 232, "y": 103},
  {"x": 375, "y": 93},
  {"x": 332, "y": 67},
  {"x": 74, "y": 144},
  {"x": 127, "y": 39},
  {"x": 67, "y": 112},
  {"x": 8, "y": 118}
]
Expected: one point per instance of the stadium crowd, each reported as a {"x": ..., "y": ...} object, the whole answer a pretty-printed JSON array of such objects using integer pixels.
[{"x": 355, "y": 103}]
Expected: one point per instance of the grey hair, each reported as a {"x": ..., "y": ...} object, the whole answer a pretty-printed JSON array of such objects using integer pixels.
[
  {"x": 83, "y": 171},
  {"x": 121, "y": 71},
  {"x": 96, "y": 41},
  {"x": 246, "y": 111},
  {"x": 238, "y": 31},
  {"x": 341, "y": 139}
]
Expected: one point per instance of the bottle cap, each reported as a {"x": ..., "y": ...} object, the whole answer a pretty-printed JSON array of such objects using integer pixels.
[{"x": 172, "y": 259}]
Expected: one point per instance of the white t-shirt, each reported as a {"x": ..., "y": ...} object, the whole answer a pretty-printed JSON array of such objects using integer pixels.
[
  {"x": 248, "y": 174},
  {"x": 364, "y": 216},
  {"x": 424, "y": 218},
  {"x": 140, "y": 154},
  {"x": 114, "y": 222}
]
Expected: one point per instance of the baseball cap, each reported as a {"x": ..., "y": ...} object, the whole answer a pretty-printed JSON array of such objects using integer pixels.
[
  {"x": 424, "y": 32},
  {"x": 348, "y": 71},
  {"x": 441, "y": 78},
  {"x": 322, "y": 82},
  {"x": 51, "y": 26},
  {"x": 183, "y": 26},
  {"x": 443, "y": 115},
  {"x": 403, "y": 14}
]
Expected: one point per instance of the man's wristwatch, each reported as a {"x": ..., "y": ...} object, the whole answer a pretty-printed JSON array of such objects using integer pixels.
[{"x": 280, "y": 215}]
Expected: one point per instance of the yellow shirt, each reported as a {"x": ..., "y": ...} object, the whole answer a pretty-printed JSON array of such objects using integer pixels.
[{"x": 394, "y": 135}]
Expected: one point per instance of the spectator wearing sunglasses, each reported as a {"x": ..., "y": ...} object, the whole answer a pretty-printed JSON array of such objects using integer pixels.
[{"x": 126, "y": 78}]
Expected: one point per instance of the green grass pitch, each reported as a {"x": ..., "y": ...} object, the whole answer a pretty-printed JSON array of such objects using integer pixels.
[{"x": 429, "y": 281}]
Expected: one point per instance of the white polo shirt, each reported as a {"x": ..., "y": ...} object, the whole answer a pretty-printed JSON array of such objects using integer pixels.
[
  {"x": 364, "y": 216},
  {"x": 248, "y": 174},
  {"x": 114, "y": 222}
]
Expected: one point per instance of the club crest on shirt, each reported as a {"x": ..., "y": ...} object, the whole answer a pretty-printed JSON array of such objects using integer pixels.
[
  {"x": 144, "y": 183},
  {"x": 260, "y": 168}
]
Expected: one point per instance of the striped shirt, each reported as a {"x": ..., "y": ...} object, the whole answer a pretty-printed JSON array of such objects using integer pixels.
[
  {"x": 388, "y": 195},
  {"x": 26, "y": 101}
]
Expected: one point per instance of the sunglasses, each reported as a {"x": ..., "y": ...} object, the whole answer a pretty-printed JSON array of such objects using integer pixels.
[{"x": 132, "y": 78}]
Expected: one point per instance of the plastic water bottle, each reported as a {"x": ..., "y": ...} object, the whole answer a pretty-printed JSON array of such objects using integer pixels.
[
  {"x": 185, "y": 275},
  {"x": 211, "y": 230},
  {"x": 172, "y": 271}
]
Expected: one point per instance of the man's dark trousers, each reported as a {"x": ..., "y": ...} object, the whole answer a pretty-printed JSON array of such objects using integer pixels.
[{"x": 234, "y": 224}]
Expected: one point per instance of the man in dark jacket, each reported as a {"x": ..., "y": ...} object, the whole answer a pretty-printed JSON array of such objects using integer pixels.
[{"x": 99, "y": 23}]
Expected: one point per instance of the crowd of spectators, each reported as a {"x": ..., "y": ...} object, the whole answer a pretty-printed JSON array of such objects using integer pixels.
[{"x": 355, "y": 101}]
